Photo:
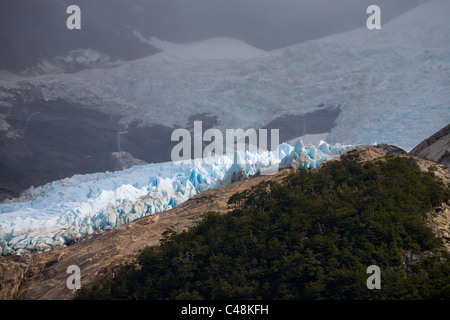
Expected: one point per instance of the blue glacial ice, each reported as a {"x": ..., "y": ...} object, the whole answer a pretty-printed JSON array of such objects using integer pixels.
[{"x": 64, "y": 211}]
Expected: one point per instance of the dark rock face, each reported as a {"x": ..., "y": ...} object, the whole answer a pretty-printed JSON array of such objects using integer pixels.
[
  {"x": 435, "y": 148},
  {"x": 319, "y": 121},
  {"x": 33, "y": 31},
  {"x": 52, "y": 140}
]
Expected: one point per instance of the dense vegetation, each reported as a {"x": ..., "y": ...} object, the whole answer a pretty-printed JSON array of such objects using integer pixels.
[{"x": 311, "y": 237}]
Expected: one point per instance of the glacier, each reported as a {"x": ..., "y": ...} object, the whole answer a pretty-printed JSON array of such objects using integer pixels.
[
  {"x": 64, "y": 211},
  {"x": 392, "y": 84}
]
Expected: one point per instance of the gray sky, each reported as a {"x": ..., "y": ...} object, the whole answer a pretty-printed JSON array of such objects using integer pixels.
[
  {"x": 271, "y": 24},
  {"x": 32, "y": 30}
]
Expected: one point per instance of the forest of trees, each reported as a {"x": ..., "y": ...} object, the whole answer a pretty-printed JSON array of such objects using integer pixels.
[{"x": 310, "y": 237}]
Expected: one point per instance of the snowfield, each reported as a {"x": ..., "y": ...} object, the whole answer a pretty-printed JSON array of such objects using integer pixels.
[{"x": 64, "y": 211}]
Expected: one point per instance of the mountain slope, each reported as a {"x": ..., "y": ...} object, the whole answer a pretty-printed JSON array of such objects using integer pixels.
[
  {"x": 407, "y": 30},
  {"x": 42, "y": 276},
  {"x": 312, "y": 236}
]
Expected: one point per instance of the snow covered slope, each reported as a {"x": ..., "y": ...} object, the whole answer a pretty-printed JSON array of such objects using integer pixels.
[
  {"x": 72, "y": 61},
  {"x": 64, "y": 211},
  {"x": 212, "y": 49},
  {"x": 393, "y": 84},
  {"x": 423, "y": 27}
]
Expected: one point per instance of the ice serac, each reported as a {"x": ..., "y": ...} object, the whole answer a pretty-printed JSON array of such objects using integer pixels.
[
  {"x": 62, "y": 212},
  {"x": 308, "y": 157}
]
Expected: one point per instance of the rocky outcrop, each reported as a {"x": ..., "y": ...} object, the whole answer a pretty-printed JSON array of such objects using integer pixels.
[
  {"x": 441, "y": 171},
  {"x": 12, "y": 273},
  {"x": 386, "y": 149},
  {"x": 439, "y": 221},
  {"x": 372, "y": 152},
  {"x": 435, "y": 148},
  {"x": 409, "y": 258}
]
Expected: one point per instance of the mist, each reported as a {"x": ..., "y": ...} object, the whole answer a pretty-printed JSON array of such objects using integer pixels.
[{"x": 34, "y": 30}]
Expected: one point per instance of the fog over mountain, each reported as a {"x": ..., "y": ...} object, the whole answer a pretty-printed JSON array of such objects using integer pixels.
[{"x": 31, "y": 31}]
